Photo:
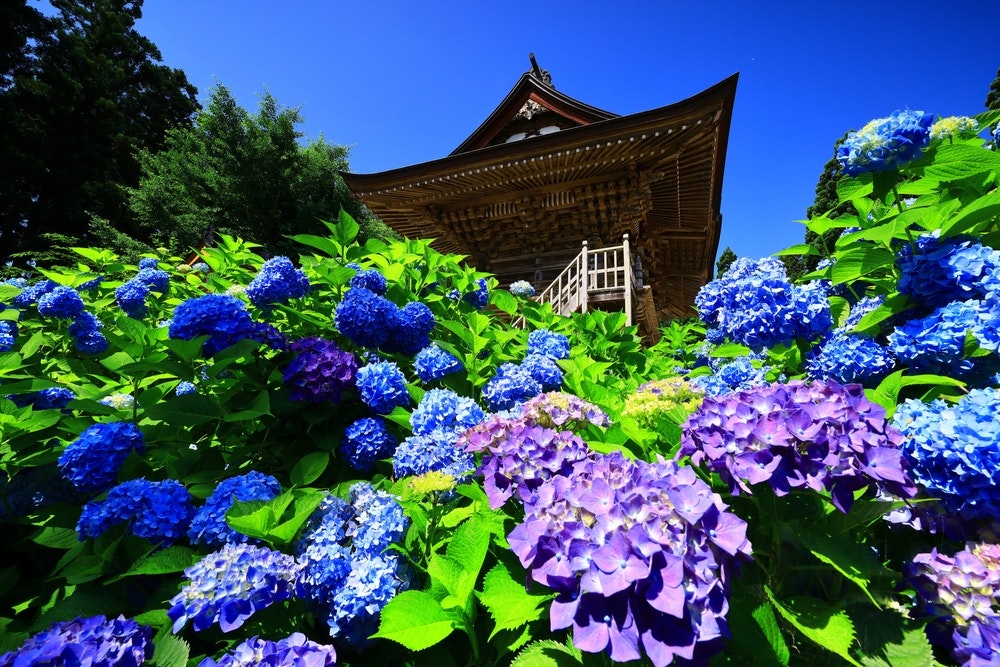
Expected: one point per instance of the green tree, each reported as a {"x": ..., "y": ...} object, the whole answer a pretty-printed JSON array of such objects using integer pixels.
[
  {"x": 243, "y": 174},
  {"x": 993, "y": 96},
  {"x": 82, "y": 92},
  {"x": 726, "y": 260}
]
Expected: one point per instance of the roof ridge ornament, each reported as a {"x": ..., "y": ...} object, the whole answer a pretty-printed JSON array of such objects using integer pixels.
[{"x": 539, "y": 73}]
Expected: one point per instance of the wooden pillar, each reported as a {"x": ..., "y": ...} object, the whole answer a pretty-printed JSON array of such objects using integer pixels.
[
  {"x": 584, "y": 277},
  {"x": 628, "y": 280}
]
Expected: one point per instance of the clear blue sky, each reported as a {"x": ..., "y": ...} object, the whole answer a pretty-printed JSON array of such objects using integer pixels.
[{"x": 405, "y": 82}]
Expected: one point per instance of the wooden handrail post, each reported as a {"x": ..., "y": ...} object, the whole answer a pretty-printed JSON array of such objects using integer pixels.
[
  {"x": 583, "y": 277},
  {"x": 628, "y": 280}
]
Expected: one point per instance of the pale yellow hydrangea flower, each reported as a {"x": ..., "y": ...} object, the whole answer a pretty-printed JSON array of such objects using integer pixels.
[
  {"x": 653, "y": 400},
  {"x": 961, "y": 126}
]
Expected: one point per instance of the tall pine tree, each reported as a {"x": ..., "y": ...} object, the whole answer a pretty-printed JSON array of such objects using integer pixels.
[
  {"x": 993, "y": 96},
  {"x": 83, "y": 93}
]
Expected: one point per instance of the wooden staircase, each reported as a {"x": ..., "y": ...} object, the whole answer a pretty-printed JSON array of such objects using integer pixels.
[{"x": 603, "y": 279}]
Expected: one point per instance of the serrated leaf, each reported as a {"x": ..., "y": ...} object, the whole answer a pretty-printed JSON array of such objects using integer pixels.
[
  {"x": 504, "y": 300},
  {"x": 857, "y": 263},
  {"x": 170, "y": 650},
  {"x": 913, "y": 651},
  {"x": 828, "y": 627},
  {"x": 768, "y": 623},
  {"x": 56, "y": 538},
  {"x": 164, "y": 561},
  {"x": 547, "y": 653},
  {"x": 320, "y": 243},
  {"x": 415, "y": 620},
  {"x": 956, "y": 161},
  {"x": 308, "y": 469},
  {"x": 510, "y": 605},
  {"x": 854, "y": 561}
]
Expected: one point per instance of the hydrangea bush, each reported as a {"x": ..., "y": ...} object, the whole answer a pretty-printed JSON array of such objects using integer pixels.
[{"x": 351, "y": 457}]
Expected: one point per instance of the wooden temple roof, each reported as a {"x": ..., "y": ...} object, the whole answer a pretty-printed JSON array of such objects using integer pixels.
[{"x": 545, "y": 172}]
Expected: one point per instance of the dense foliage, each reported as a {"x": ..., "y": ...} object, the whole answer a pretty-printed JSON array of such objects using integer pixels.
[{"x": 353, "y": 458}]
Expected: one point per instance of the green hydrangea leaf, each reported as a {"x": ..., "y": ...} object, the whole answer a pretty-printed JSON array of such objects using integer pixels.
[
  {"x": 510, "y": 605},
  {"x": 415, "y": 620}
]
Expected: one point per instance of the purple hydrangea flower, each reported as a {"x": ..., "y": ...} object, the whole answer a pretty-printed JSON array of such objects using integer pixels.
[
  {"x": 131, "y": 298},
  {"x": 563, "y": 412},
  {"x": 296, "y": 650},
  {"x": 95, "y": 641},
  {"x": 886, "y": 143},
  {"x": 60, "y": 302},
  {"x": 960, "y": 592},
  {"x": 227, "y": 587},
  {"x": 432, "y": 363},
  {"x": 320, "y": 372},
  {"x": 91, "y": 462},
  {"x": 277, "y": 281},
  {"x": 209, "y": 525},
  {"x": 822, "y": 436},
  {"x": 86, "y": 334},
  {"x": 953, "y": 450},
  {"x": 548, "y": 343},
  {"x": 157, "y": 511},
  {"x": 382, "y": 387},
  {"x": 366, "y": 441}
]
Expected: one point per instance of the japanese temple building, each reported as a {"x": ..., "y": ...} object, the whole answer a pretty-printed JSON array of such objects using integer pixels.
[{"x": 547, "y": 183}]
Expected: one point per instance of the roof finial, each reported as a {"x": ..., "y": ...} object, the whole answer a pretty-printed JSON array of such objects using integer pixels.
[{"x": 539, "y": 73}]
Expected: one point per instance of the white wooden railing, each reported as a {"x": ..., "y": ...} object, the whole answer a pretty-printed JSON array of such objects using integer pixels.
[{"x": 602, "y": 274}]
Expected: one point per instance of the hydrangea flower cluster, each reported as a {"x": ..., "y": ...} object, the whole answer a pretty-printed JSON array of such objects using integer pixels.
[
  {"x": 223, "y": 319},
  {"x": 370, "y": 279},
  {"x": 295, "y": 650},
  {"x": 936, "y": 343},
  {"x": 382, "y": 386},
  {"x": 739, "y": 374},
  {"x": 8, "y": 335},
  {"x": 277, "y": 281},
  {"x": 444, "y": 410},
  {"x": 64, "y": 302},
  {"x": 936, "y": 271},
  {"x": 119, "y": 401},
  {"x": 548, "y": 343},
  {"x": 755, "y": 305},
  {"x": 366, "y": 441},
  {"x": 955, "y": 126},
  {"x": 437, "y": 422},
  {"x": 638, "y": 554},
  {"x": 886, "y": 143},
  {"x": 370, "y": 320},
  {"x": 845, "y": 358},
  {"x": 320, "y": 371},
  {"x": 131, "y": 295},
  {"x": 184, "y": 388},
  {"x": 819, "y": 435},
  {"x": 653, "y": 401},
  {"x": 563, "y": 411},
  {"x": 953, "y": 451},
  {"x": 157, "y": 511},
  {"x": 87, "y": 335},
  {"x": 51, "y": 398},
  {"x": 209, "y": 525},
  {"x": 480, "y": 298},
  {"x": 432, "y": 363},
  {"x": 961, "y": 592},
  {"x": 511, "y": 385},
  {"x": 522, "y": 288},
  {"x": 348, "y": 573},
  {"x": 91, "y": 462},
  {"x": 227, "y": 587},
  {"x": 31, "y": 293},
  {"x": 95, "y": 641}
]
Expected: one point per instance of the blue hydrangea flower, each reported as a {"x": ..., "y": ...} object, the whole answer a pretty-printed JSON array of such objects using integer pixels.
[
  {"x": 511, "y": 385},
  {"x": 443, "y": 409},
  {"x": 954, "y": 450},
  {"x": 371, "y": 280},
  {"x": 32, "y": 293},
  {"x": 209, "y": 525},
  {"x": 858, "y": 311},
  {"x": 432, "y": 363},
  {"x": 60, "y": 302},
  {"x": 937, "y": 271},
  {"x": 382, "y": 387},
  {"x": 184, "y": 388},
  {"x": 201, "y": 267},
  {"x": 480, "y": 298},
  {"x": 544, "y": 370},
  {"x": 153, "y": 279},
  {"x": 157, "y": 511},
  {"x": 91, "y": 462},
  {"x": 411, "y": 332},
  {"x": 277, "y": 281},
  {"x": 886, "y": 143},
  {"x": 223, "y": 319},
  {"x": 295, "y": 650},
  {"x": 53, "y": 398},
  {"x": 522, "y": 288},
  {"x": 148, "y": 263},
  {"x": 378, "y": 520},
  {"x": 95, "y": 641},
  {"x": 227, "y": 587},
  {"x": 372, "y": 582},
  {"x": 846, "y": 358},
  {"x": 936, "y": 343},
  {"x": 86, "y": 334},
  {"x": 8, "y": 335},
  {"x": 365, "y": 318},
  {"x": 90, "y": 285},
  {"x": 548, "y": 343},
  {"x": 737, "y": 375},
  {"x": 436, "y": 452},
  {"x": 320, "y": 371},
  {"x": 366, "y": 441},
  {"x": 131, "y": 298}
]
